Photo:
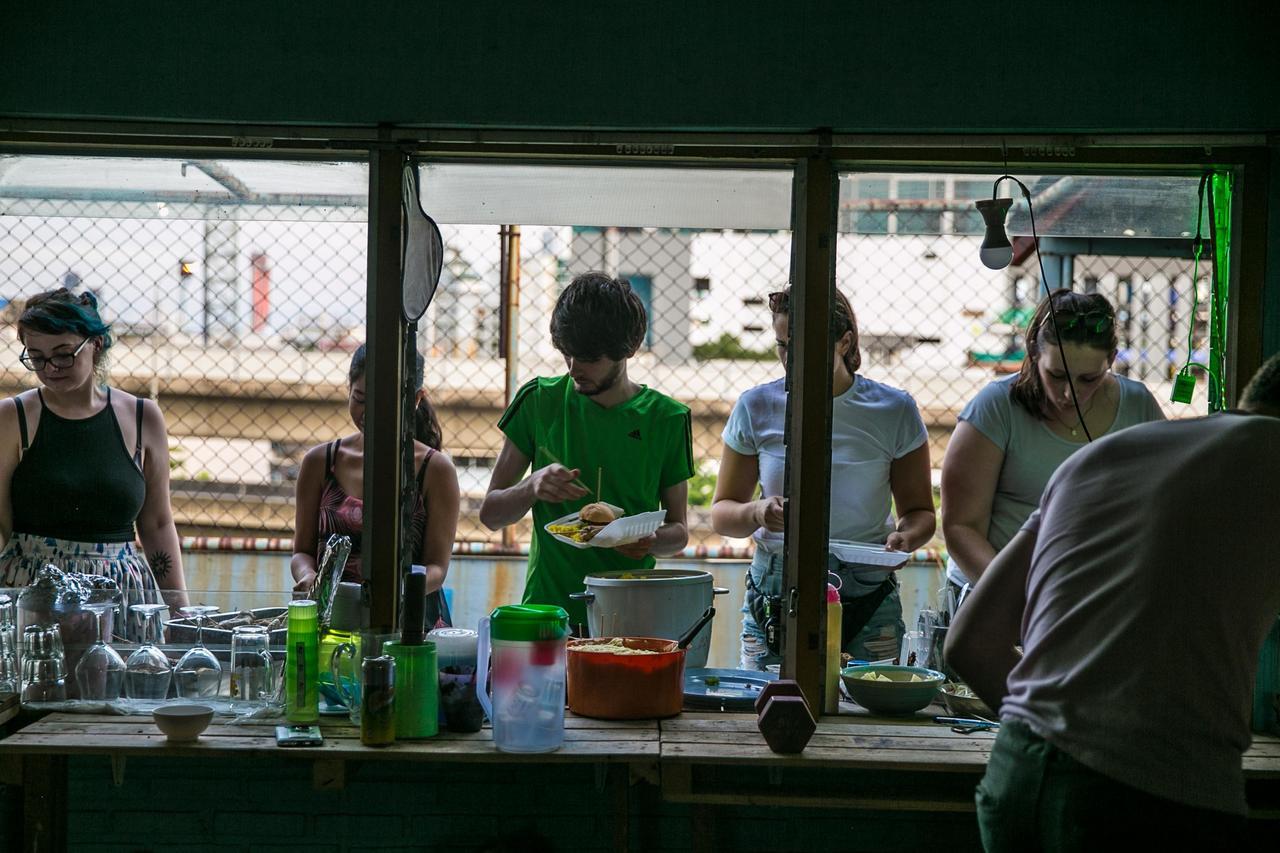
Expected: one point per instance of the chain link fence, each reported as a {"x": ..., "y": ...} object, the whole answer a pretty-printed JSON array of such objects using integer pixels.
[{"x": 238, "y": 304}]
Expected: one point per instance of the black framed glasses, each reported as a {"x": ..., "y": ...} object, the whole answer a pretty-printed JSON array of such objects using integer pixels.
[
  {"x": 779, "y": 301},
  {"x": 61, "y": 360},
  {"x": 1095, "y": 322}
]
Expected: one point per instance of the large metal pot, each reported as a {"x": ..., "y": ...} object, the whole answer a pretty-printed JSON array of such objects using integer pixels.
[{"x": 656, "y": 603}]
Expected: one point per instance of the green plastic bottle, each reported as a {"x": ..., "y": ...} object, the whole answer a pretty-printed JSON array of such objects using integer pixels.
[{"x": 301, "y": 663}]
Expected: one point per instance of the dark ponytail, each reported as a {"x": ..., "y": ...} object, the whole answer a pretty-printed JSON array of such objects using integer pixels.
[{"x": 426, "y": 426}]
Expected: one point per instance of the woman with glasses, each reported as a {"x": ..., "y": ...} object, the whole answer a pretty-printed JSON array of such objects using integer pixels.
[
  {"x": 1012, "y": 437},
  {"x": 879, "y": 452},
  {"x": 330, "y": 496},
  {"x": 84, "y": 468}
]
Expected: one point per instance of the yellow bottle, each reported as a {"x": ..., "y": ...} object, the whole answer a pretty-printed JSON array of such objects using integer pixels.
[{"x": 831, "y": 691}]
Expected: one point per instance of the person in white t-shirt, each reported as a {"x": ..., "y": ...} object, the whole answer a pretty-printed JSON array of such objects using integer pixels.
[
  {"x": 1011, "y": 438},
  {"x": 879, "y": 452},
  {"x": 1140, "y": 592}
]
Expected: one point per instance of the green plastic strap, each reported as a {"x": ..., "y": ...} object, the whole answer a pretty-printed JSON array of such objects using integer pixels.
[{"x": 1221, "y": 185}]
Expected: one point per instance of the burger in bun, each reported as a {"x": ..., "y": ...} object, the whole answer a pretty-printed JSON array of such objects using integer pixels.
[{"x": 597, "y": 513}]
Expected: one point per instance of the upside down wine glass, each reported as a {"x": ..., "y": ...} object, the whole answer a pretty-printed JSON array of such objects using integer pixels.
[
  {"x": 198, "y": 674},
  {"x": 100, "y": 672},
  {"x": 147, "y": 673}
]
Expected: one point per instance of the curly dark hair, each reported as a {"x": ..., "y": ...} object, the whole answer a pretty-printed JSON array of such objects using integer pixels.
[
  {"x": 1263, "y": 391},
  {"x": 598, "y": 316},
  {"x": 1083, "y": 318}
]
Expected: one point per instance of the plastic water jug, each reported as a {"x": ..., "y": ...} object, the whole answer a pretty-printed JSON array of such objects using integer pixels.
[{"x": 528, "y": 650}]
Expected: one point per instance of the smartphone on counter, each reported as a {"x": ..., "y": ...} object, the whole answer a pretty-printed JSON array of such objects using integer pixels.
[{"x": 298, "y": 736}]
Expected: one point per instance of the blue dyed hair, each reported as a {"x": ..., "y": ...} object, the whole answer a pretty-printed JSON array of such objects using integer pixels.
[{"x": 61, "y": 312}]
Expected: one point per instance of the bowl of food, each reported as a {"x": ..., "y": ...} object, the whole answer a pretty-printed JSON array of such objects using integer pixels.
[
  {"x": 181, "y": 721},
  {"x": 625, "y": 678},
  {"x": 891, "y": 690},
  {"x": 963, "y": 702}
]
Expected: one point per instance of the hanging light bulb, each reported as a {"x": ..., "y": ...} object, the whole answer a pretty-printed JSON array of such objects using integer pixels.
[{"x": 996, "y": 252}]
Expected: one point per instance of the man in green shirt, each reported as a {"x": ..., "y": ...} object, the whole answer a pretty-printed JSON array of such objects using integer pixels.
[{"x": 636, "y": 441}]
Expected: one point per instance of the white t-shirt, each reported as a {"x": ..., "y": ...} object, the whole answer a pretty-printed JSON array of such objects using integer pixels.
[
  {"x": 871, "y": 425},
  {"x": 1151, "y": 588},
  {"x": 1033, "y": 451}
]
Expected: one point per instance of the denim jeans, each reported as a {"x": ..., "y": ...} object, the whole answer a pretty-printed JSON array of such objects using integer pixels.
[
  {"x": 880, "y": 638},
  {"x": 1036, "y": 797}
]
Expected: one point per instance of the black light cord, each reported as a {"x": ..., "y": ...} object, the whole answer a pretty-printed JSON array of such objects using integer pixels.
[{"x": 1044, "y": 282}]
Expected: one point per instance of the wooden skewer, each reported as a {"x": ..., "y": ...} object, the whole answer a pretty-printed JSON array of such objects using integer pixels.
[
  {"x": 551, "y": 456},
  {"x": 599, "y": 474}
]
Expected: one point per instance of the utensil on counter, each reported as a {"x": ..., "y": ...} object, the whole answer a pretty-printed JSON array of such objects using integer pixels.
[
  {"x": 967, "y": 725},
  {"x": 696, "y": 628}
]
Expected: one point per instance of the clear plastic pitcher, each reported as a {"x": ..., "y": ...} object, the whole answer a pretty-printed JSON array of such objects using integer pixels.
[{"x": 528, "y": 649}]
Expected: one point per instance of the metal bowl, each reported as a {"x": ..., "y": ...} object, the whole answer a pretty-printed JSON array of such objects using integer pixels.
[{"x": 964, "y": 706}]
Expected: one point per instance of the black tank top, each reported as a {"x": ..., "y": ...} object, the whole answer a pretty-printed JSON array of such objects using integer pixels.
[{"x": 76, "y": 480}]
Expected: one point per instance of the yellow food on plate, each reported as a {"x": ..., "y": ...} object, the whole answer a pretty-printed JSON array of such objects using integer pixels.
[{"x": 578, "y": 531}]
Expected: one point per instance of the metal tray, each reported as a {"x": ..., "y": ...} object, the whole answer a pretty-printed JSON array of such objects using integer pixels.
[{"x": 183, "y": 630}]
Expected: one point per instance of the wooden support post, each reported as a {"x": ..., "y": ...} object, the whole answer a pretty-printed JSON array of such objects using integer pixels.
[
  {"x": 1248, "y": 320},
  {"x": 380, "y": 549},
  {"x": 804, "y": 576}
]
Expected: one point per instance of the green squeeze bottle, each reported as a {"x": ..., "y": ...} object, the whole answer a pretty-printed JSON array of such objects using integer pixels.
[{"x": 301, "y": 663}]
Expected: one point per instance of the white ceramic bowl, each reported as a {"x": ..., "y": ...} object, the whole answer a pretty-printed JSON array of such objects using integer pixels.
[{"x": 183, "y": 722}]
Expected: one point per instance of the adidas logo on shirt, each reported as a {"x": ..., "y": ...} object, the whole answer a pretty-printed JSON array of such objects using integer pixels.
[{"x": 635, "y": 433}]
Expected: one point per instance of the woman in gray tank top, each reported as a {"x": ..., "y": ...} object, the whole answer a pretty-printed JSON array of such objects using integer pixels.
[
  {"x": 84, "y": 468},
  {"x": 1012, "y": 437}
]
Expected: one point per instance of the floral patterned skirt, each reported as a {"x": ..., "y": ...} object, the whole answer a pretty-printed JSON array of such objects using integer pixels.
[{"x": 121, "y": 561}]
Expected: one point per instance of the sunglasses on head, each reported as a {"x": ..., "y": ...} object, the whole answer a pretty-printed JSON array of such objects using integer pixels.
[{"x": 1096, "y": 321}]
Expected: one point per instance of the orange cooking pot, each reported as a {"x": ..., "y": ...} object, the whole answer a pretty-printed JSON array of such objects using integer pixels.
[{"x": 621, "y": 686}]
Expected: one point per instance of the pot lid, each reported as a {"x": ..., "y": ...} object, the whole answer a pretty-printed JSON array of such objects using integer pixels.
[{"x": 662, "y": 577}]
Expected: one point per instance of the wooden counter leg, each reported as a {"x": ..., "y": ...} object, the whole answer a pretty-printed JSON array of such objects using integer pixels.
[
  {"x": 620, "y": 795},
  {"x": 44, "y": 803}
]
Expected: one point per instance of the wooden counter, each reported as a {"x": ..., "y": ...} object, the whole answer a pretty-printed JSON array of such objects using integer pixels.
[{"x": 706, "y": 761}]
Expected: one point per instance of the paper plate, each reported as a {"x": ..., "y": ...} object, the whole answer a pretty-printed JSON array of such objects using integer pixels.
[
  {"x": 618, "y": 532},
  {"x": 866, "y": 553}
]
